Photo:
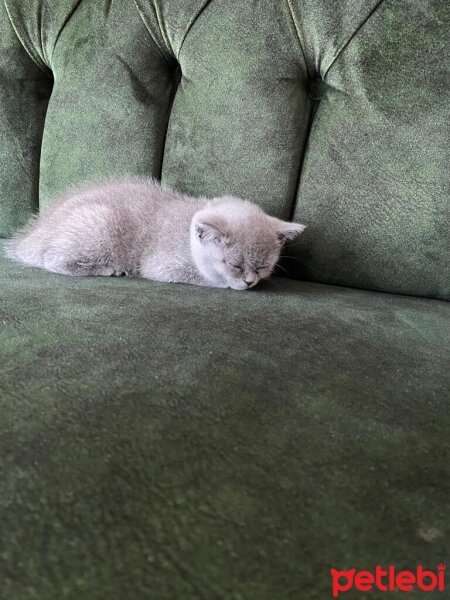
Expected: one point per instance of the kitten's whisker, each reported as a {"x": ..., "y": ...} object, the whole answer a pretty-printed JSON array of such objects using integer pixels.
[
  {"x": 272, "y": 282},
  {"x": 282, "y": 268},
  {"x": 291, "y": 257}
]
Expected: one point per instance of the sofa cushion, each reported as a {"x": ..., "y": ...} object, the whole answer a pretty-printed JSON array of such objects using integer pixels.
[
  {"x": 182, "y": 442},
  {"x": 375, "y": 183},
  {"x": 241, "y": 112},
  {"x": 24, "y": 93},
  {"x": 112, "y": 92}
]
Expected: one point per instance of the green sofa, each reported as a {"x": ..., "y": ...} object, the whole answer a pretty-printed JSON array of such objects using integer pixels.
[{"x": 181, "y": 443}]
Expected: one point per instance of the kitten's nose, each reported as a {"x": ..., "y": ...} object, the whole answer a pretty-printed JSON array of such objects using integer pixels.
[{"x": 248, "y": 282}]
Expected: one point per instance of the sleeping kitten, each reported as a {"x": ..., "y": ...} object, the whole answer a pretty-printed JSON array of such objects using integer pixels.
[{"x": 137, "y": 227}]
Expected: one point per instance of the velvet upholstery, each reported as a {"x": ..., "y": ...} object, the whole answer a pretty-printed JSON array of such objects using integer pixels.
[
  {"x": 177, "y": 443},
  {"x": 24, "y": 94},
  {"x": 375, "y": 184}
]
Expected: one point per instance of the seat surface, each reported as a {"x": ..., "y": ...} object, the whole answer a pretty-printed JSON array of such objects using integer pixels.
[{"x": 174, "y": 442}]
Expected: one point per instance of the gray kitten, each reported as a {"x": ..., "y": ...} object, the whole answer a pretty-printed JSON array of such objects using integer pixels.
[{"x": 137, "y": 227}]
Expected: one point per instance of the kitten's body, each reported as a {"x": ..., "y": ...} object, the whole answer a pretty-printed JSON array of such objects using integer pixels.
[{"x": 137, "y": 227}]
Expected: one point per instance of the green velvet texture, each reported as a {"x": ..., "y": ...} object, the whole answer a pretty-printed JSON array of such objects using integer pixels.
[
  {"x": 112, "y": 95},
  {"x": 325, "y": 28},
  {"x": 241, "y": 113},
  {"x": 375, "y": 183},
  {"x": 178, "y": 443},
  {"x": 111, "y": 101},
  {"x": 24, "y": 93},
  {"x": 221, "y": 98}
]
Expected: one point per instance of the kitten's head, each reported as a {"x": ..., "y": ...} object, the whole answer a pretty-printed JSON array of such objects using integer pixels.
[{"x": 235, "y": 244}]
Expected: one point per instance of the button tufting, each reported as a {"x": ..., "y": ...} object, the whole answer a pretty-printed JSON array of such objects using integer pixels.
[{"x": 317, "y": 88}]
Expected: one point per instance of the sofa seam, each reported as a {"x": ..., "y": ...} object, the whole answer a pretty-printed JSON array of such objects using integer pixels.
[
  {"x": 344, "y": 45},
  {"x": 300, "y": 37},
  {"x": 27, "y": 47},
  {"x": 313, "y": 107},
  {"x": 160, "y": 26},
  {"x": 66, "y": 20},
  {"x": 155, "y": 41},
  {"x": 191, "y": 24}
]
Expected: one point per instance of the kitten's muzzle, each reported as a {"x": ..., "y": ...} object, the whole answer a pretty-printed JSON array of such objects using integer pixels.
[{"x": 250, "y": 283}]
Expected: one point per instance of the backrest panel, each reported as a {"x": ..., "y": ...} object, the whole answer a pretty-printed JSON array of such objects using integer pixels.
[
  {"x": 24, "y": 94},
  {"x": 375, "y": 185},
  {"x": 241, "y": 112},
  {"x": 111, "y": 101}
]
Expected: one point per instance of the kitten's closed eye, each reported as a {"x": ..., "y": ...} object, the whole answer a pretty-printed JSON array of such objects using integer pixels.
[{"x": 237, "y": 267}]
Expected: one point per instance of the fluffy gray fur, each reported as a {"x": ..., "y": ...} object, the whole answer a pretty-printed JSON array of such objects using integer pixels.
[{"x": 138, "y": 227}]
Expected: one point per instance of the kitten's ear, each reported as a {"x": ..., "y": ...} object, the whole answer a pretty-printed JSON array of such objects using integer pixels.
[
  {"x": 207, "y": 232},
  {"x": 288, "y": 231}
]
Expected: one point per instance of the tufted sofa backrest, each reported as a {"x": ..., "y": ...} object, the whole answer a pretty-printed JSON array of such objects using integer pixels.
[{"x": 319, "y": 111}]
